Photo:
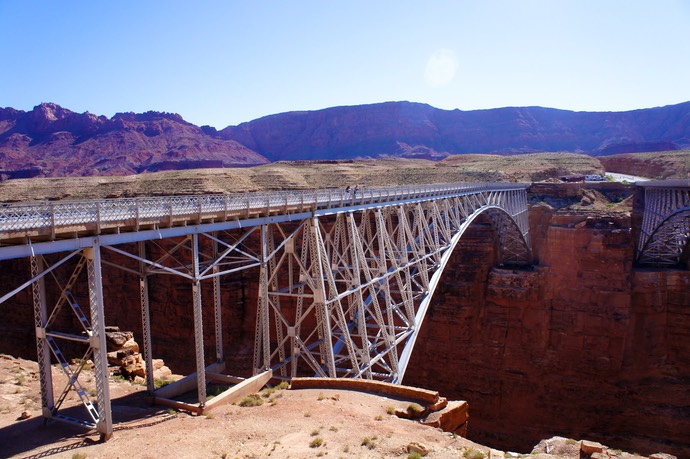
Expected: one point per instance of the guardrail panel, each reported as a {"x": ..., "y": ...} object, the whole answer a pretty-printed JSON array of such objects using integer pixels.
[{"x": 169, "y": 210}]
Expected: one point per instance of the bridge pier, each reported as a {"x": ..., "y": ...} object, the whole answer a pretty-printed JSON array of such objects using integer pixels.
[
  {"x": 42, "y": 347},
  {"x": 104, "y": 424}
]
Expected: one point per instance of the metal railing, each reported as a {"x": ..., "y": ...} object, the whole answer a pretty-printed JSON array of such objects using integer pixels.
[{"x": 51, "y": 217}]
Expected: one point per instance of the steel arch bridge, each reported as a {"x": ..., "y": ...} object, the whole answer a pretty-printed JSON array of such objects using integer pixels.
[
  {"x": 345, "y": 279},
  {"x": 665, "y": 230}
]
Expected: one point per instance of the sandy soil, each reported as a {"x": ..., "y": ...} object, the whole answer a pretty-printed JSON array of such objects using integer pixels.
[
  {"x": 288, "y": 424},
  {"x": 304, "y": 423}
]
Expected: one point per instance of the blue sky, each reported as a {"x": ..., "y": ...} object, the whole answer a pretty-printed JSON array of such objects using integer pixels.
[{"x": 225, "y": 62}]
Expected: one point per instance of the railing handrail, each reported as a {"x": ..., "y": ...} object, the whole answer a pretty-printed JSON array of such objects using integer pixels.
[{"x": 27, "y": 216}]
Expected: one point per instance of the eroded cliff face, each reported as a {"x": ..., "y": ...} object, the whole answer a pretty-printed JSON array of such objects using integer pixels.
[{"x": 583, "y": 345}]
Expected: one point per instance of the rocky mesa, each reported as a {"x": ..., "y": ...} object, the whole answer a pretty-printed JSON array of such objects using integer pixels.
[{"x": 52, "y": 141}]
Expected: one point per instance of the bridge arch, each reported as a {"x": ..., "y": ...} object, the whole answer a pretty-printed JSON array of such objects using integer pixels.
[
  {"x": 665, "y": 227},
  {"x": 513, "y": 249},
  {"x": 668, "y": 242}
]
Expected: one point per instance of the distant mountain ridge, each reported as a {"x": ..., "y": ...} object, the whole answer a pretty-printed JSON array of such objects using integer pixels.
[
  {"x": 54, "y": 141},
  {"x": 413, "y": 129}
]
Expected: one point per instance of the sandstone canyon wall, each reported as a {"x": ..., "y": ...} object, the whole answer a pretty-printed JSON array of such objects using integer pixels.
[{"x": 583, "y": 345}]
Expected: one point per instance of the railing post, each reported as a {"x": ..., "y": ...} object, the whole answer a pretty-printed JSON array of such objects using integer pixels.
[
  {"x": 98, "y": 217},
  {"x": 199, "y": 207},
  {"x": 136, "y": 214},
  {"x": 52, "y": 221}
]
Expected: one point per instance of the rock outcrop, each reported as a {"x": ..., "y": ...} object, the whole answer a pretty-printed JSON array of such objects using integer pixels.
[
  {"x": 51, "y": 141},
  {"x": 123, "y": 353},
  {"x": 584, "y": 345}
]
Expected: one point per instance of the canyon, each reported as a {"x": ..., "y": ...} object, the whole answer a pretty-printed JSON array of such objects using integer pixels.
[{"x": 582, "y": 344}]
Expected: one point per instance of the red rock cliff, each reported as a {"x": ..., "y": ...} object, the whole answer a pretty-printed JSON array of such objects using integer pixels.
[{"x": 583, "y": 346}]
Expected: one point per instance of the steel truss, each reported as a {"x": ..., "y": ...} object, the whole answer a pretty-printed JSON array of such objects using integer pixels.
[
  {"x": 343, "y": 287},
  {"x": 665, "y": 228},
  {"x": 347, "y": 297},
  {"x": 89, "y": 333}
]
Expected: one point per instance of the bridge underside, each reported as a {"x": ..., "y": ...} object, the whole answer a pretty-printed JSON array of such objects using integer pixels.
[
  {"x": 342, "y": 293},
  {"x": 346, "y": 297},
  {"x": 666, "y": 224}
]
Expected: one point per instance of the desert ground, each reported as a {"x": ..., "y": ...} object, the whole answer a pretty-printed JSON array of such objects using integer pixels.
[
  {"x": 306, "y": 175},
  {"x": 303, "y": 423}
]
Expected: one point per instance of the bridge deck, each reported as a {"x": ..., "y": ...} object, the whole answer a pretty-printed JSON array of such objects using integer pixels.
[{"x": 47, "y": 221}]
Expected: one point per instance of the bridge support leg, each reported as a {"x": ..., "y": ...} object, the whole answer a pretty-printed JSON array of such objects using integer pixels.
[
  {"x": 217, "y": 307},
  {"x": 98, "y": 344},
  {"x": 319, "y": 259},
  {"x": 42, "y": 346},
  {"x": 146, "y": 318},
  {"x": 262, "y": 351},
  {"x": 198, "y": 325}
]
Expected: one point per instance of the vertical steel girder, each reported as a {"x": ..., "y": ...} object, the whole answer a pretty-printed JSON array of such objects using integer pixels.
[
  {"x": 198, "y": 323},
  {"x": 145, "y": 316},
  {"x": 665, "y": 230},
  {"x": 42, "y": 346},
  {"x": 345, "y": 296},
  {"x": 98, "y": 343}
]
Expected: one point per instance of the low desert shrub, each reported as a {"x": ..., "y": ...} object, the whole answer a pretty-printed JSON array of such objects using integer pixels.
[
  {"x": 252, "y": 400},
  {"x": 473, "y": 453},
  {"x": 315, "y": 443}
]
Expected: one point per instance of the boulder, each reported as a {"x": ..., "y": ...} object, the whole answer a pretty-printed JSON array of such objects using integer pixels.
[
  {"x": 419, "y": 448},
  {"x": 449, "y": 419},
  {"x": 133, "y": 365},
  {"x": 591, "y": 447}
]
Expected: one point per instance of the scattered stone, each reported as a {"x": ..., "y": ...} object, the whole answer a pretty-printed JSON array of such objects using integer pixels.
[
  {"x": 419, "y": 448},
  {"x": 496, "y": 454},
  {"x": 662, "y": 456},
  {"x": 133, "y": 365},
  {"x": 25, "y": 415},
  {"x": 599, "y": 456},
  {"x": 591, "y": 447},
  {"x": 451, "y": 418},
  {"x": 162, "y": 373},
  {"x": 116, "y": 339},
  {"x": 439, "y": 405},
  {"x": 131, "y": 345}
]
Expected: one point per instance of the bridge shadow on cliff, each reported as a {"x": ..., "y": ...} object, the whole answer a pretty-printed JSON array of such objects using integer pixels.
[{"x": 35, "y": 437}]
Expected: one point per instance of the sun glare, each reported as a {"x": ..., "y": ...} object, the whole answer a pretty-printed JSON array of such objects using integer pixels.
[{"x": 441, "y": 68}]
